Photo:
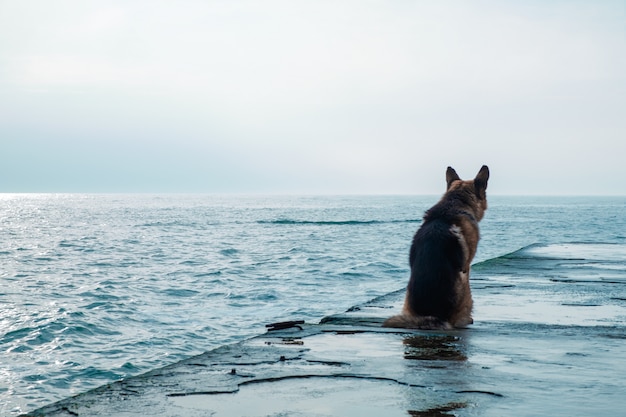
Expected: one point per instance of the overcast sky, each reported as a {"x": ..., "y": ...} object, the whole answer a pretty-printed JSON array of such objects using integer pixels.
[{"x": 312, "y": 96}]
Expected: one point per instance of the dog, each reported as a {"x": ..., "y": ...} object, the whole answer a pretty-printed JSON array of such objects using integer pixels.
[{"x": 438, "y": 295}]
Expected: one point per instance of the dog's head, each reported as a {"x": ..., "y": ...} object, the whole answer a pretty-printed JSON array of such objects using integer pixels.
[{"x": 475, "y": 190}]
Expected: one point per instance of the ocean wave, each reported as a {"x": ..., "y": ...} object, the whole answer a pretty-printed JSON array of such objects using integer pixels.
[
  {"x": 502, "y": 259},
  {"x": 567, "y": 250},
  {"x": 176, "y": 223},
  {"x": 564, "y": 262},
  {"x": 335, "y": 222}
]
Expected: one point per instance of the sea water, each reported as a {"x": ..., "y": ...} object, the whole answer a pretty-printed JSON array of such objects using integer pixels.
[{"x": 94, "y": 288}]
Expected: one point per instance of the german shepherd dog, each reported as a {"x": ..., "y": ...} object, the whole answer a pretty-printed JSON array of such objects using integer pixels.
[{"x": 438, "y": 295}]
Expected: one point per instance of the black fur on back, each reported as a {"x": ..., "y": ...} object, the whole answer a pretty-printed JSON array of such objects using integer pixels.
[{"x": 436, "y": 259}]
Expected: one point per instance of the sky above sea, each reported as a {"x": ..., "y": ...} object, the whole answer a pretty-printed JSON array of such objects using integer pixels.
[{"x": 324, "y": 97}]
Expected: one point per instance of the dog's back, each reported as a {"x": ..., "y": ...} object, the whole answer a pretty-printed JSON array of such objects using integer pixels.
[
  {"x": 438, "y": 294},
  {"x": 436, "y": 258}
]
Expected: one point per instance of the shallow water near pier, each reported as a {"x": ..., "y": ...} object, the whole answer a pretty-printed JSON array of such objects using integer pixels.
[{"x": 102, "y": 287}]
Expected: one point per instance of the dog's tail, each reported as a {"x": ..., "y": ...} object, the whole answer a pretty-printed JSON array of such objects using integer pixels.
[{"x": 417, "y": 322}]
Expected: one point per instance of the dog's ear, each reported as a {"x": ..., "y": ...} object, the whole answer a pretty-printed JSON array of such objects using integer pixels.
[
  {"x": 480, "y": 182},
  {"x": 451, "y": 176}
]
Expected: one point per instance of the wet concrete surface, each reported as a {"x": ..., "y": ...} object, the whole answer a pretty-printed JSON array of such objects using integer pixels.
[{"x": 549, "y": 339}]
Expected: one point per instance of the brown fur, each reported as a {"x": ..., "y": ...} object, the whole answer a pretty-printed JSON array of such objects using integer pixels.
[{"x": 438, "y": 294}]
